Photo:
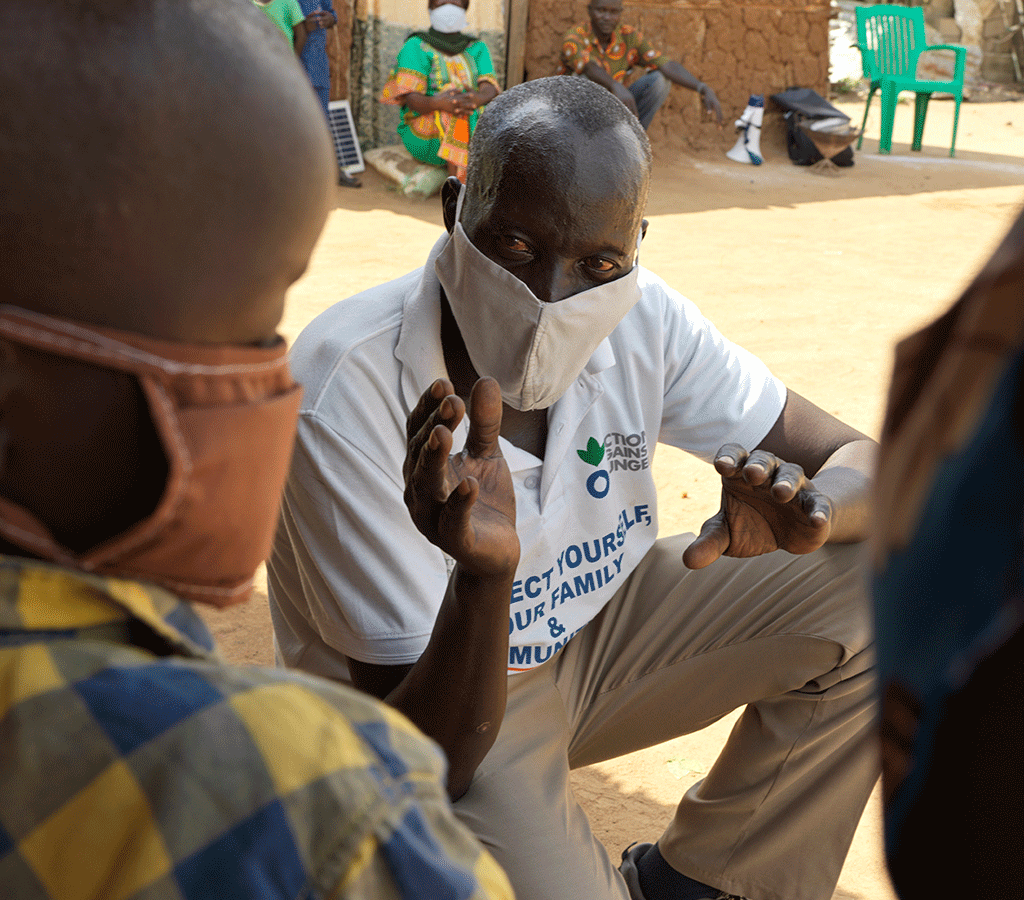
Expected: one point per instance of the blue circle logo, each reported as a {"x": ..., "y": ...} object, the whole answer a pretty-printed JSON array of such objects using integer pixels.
[{"x": 594, "y": 480}]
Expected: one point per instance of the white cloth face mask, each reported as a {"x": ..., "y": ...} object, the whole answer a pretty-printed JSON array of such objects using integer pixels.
[
  {"x": 534, "y": 350},
  {"x": 448, "y": 19}
]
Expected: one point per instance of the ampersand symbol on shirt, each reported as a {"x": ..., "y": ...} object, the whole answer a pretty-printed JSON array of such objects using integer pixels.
[{"x": 554, "y": 627}]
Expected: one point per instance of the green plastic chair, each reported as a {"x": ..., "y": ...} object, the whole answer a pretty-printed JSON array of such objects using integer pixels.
[{"x": 891, "y": 40}]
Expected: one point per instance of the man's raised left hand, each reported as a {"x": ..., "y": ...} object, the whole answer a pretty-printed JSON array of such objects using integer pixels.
[{"x": 767, "y": 504}]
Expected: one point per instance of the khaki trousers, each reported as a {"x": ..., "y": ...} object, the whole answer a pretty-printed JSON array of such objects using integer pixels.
[{"x": 674, "y": 650}]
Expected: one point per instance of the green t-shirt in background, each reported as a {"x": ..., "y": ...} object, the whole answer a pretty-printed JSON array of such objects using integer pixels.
[{"x": 285, "y": 14}]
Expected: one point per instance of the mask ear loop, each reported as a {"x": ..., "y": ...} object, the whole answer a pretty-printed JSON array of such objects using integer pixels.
[{"x": 458, "y": 206}]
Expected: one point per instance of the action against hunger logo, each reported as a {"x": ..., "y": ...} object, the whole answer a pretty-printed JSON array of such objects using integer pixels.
[
  {"x": 619, "y": 451},
  {"x": 552, "y": 589}
]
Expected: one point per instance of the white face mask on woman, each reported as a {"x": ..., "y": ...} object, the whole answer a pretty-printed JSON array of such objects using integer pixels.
[
  {"x": 534, "y": 350},
  {"x": 448, "y": 19}
]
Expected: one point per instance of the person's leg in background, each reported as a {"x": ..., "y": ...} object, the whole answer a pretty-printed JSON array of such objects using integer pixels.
[
  {"x": 324, "y": 96},
  {"x": 316, "y": 72},
  {"x": 650, "y": 92}
]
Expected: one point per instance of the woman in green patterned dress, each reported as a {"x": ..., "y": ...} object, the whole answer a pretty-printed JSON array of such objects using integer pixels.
[{"x": 442, "y": 78}]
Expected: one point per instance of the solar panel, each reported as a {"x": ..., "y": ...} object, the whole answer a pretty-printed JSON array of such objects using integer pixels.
[{"x": 343, "y": 131}]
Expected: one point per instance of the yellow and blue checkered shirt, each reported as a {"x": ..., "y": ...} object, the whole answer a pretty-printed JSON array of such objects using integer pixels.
[{"x": 134, "y": 763}]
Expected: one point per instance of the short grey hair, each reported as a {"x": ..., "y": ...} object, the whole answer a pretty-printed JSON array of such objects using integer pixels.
[{"x": 538, "y": 122}]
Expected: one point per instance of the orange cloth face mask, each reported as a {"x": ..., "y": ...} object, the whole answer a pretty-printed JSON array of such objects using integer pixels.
[{"x": 226, "y": 418}]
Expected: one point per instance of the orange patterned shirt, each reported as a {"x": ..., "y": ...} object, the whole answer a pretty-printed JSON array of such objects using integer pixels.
[{"x": 628, "y": 49}]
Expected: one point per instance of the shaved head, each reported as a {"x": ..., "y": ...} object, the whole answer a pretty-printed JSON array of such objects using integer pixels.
[
  {"x": 166, "y": 171},
  {"x": 555, "y": 131},
  {"x": 166, "y": 166}
]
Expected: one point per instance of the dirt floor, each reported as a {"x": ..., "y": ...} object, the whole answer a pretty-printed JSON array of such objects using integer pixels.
[{"x": 818, "y": 275}]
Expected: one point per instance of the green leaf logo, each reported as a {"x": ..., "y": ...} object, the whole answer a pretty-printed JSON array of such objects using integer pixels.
[{"x": 593, "y": 454}]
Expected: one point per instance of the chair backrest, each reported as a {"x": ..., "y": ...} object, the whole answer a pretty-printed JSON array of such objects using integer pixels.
[{"x": 890, "y": 38}]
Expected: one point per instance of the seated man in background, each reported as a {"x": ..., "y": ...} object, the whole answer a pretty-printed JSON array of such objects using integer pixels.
[
  {"x": 607, "y": 53},
  {"x": 526, "y": 615},
  {"x": 147, "y": 416}
]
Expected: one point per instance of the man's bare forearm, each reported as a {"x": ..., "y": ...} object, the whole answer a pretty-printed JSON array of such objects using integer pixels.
[
  {"x": 455, "y": 693},
  {"x": 421, "y": 103},
  {"x": 599, "y": 75},
  {"x": 675, "y": 71},
  {"x": 845, "y": 478}
]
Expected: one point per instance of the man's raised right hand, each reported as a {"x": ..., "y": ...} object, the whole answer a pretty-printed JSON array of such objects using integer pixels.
[{"x": 462, "y": 503}]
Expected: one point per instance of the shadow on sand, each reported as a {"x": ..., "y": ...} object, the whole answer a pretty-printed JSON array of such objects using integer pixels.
[{"x": 693, "y": 184}]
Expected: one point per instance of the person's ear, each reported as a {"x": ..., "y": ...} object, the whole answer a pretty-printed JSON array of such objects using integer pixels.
[
  {"x": 643, "y": 229},
  {"x": 450, "y": 191}
]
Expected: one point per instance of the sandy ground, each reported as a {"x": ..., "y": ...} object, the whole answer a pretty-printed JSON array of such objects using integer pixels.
[{"x": 817, "y": 275}]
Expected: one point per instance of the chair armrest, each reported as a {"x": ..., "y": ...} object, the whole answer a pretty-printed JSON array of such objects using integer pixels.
[
  {"x": 956, "y": 48},
  {"x": 867, "y": 61},
  {"x": 961, "y": 57}
]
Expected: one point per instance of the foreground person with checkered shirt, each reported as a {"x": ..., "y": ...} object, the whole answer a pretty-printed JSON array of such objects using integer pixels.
[{"x": 166, "y": 176}]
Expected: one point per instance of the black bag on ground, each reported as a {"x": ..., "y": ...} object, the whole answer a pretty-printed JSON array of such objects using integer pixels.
[
  {"x": 802, "y": 150},
  {"x": 801, "y": 105}
]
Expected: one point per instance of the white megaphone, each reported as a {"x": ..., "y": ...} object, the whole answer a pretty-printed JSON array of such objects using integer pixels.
[{"x": 748, "y": 145}]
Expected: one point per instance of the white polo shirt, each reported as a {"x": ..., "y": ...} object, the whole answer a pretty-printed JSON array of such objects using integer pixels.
[{"x": 350, "y": 575}]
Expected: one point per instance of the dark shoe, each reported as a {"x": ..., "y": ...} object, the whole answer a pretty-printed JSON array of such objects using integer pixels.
[
  {"x": 631, "y": 856},
  {"x": 346, "y": 180},
  {"x": 628, "y": 869}
]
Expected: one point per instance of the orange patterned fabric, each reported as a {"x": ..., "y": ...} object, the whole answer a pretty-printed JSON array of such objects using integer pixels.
[
  {"x": 402, "y": 82},
  {"x": 627, "y": 50}
]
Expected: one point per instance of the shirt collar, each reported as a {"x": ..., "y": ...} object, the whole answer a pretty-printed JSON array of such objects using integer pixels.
[
  {"x": 38, "y": 597},
  {"x": 419, "y": 340}
]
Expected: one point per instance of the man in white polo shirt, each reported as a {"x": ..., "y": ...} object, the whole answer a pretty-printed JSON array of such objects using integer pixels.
[{"x": 525, "y": 615}]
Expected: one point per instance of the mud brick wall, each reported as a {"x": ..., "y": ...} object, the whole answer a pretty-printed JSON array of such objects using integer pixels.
[{"x": 739, "y": 47}]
